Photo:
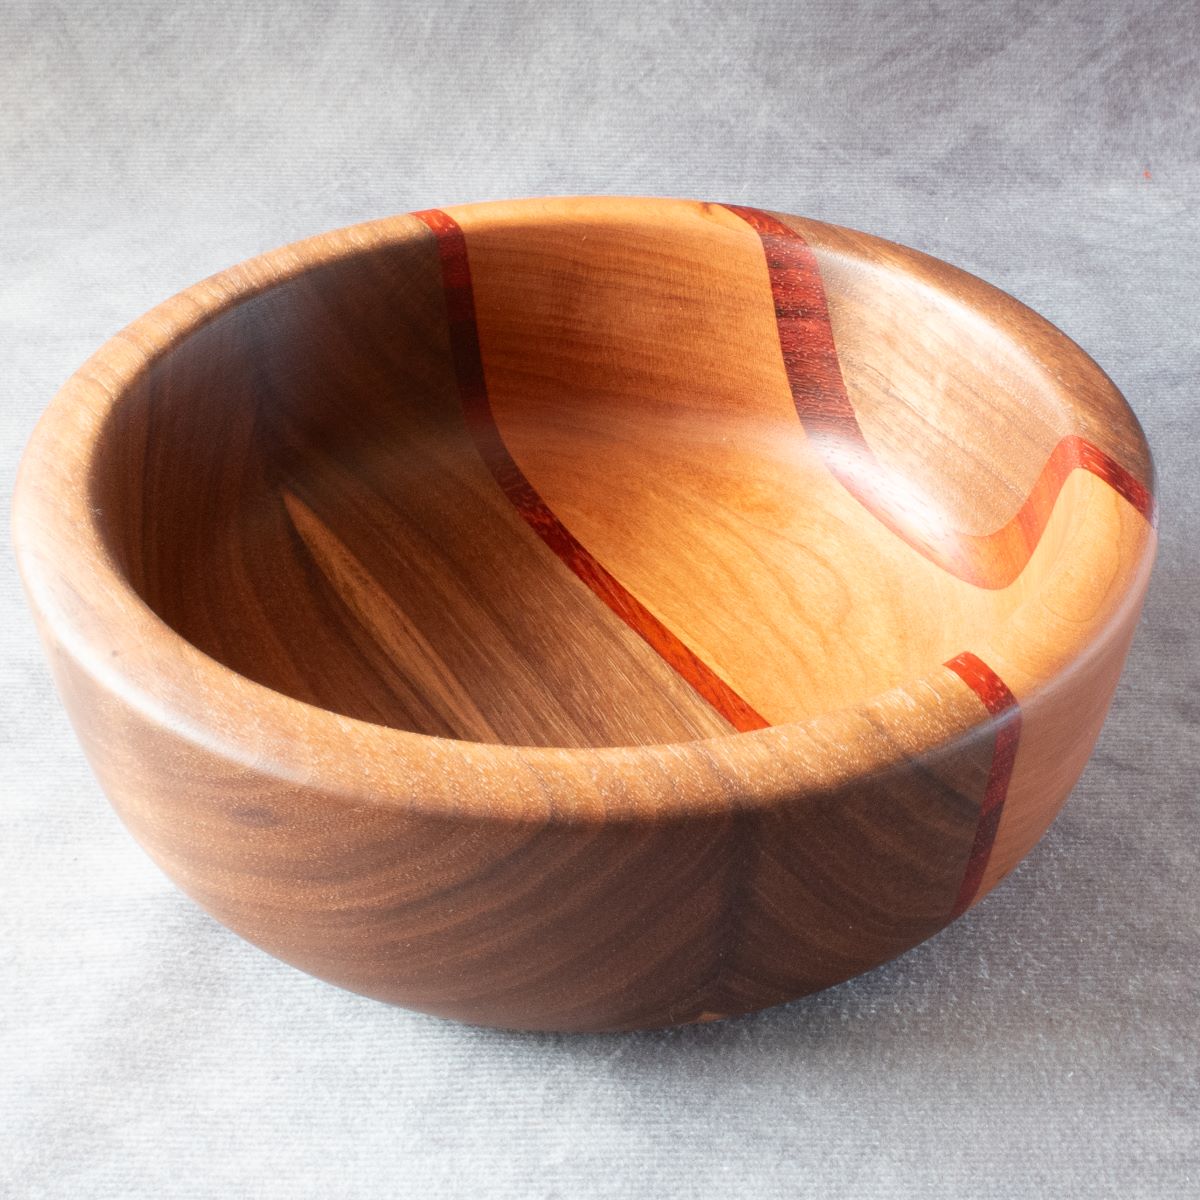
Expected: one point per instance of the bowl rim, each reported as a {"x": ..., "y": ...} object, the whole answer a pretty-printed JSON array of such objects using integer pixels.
[{"x": 86, "y": 609}]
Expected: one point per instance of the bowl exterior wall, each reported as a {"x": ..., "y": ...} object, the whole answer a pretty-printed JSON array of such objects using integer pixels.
[{"x": 583, "y": 924}]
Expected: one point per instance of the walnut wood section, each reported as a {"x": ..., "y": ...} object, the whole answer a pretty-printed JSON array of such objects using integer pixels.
[{"x": 418, "y": 593}]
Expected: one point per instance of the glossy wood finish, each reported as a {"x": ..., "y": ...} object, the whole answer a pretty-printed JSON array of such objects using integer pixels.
[{"x": 588, "y": 613}]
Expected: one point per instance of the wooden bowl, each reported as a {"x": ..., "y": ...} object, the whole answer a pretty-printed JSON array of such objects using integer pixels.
[{"x": 588, "y": 613}]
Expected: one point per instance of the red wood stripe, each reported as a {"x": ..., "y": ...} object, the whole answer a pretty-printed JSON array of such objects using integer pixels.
[
  {"x": 481, "y": 421},
  {"x": 823, "y": 405},
  {"x": 1000, "y": 702}
]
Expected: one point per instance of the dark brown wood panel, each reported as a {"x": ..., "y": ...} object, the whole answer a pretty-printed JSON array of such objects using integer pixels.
[{"x": 323, "y": 523}]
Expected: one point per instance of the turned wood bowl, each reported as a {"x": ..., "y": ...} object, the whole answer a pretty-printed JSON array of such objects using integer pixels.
[{"x": 588, "y": 613}]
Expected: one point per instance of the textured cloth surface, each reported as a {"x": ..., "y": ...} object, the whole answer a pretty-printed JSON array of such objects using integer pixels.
[{"x": 1044, "y": 1045}]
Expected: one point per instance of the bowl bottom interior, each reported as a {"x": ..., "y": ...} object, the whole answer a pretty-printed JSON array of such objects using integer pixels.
[{"x": 602, "y": 480}]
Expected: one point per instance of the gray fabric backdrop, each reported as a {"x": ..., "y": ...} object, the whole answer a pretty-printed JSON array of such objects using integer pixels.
[{"x": 1046, "y": 1044}]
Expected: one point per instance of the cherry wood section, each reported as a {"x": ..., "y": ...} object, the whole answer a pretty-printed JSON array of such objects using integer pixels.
[
  {"x": 481, "y": 421},
  {"x": 824, "y": 407},
  {"x": 588, "y": 613}
]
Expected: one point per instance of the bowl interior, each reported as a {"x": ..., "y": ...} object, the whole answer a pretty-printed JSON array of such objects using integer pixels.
[{"x": 591, "y": 473}]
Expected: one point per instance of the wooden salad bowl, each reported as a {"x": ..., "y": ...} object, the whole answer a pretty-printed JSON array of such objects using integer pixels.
[{"x": 588, "y": 614}]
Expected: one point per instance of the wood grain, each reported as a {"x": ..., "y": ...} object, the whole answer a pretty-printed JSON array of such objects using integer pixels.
[
  {"x": 824, "y": 407},
  {"x": 481, "y": 421},
  {"x": 588, "y": 613}
]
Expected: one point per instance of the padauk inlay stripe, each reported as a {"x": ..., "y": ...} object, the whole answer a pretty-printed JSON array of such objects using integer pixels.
[
  {"x": 1000, "y": 702},
  {"x": 991, "y": 560},
  {"x": 481, "y": 421}
]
